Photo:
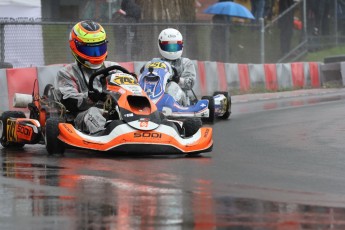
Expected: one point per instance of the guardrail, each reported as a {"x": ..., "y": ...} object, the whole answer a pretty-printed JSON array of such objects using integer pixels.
[{"x": 212, "y": 76}]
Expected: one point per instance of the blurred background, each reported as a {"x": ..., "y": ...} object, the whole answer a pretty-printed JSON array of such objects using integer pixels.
[{"x": 35, "y": 33}]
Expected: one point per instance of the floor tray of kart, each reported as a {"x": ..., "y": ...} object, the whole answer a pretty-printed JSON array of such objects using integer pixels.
[{"x": 134, "y": 124}]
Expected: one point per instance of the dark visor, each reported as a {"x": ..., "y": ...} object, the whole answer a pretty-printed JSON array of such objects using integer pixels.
[{"x": 92, "y": 50}]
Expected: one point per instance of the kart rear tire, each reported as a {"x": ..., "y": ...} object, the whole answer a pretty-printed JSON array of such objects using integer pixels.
[
  {"x": 227, "y": 114},
  {"x": 211, "y": 107},
  {"x": 53, "y": 144},
  {"x": 191, "y": 126},
  {"x": 3, "y": 118}
]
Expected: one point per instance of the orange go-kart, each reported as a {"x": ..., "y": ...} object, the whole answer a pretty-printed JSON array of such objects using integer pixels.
[{"x": 134, "y": 125}]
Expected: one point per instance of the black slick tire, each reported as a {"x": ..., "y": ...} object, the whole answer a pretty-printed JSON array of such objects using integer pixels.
[
  {"x": 191, "y": 126},
  {"x": 53, "y": 144}
]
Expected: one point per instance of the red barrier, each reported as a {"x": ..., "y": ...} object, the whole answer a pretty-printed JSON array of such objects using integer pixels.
[
  {"x": 271, "y": 76},
  {"x": 128, "y": 65},
  {"x": 20, "y": 81},
  {"x": 297, "y": 72},
  {"x": 222, "y": 83},
  {"x": 244, "y": 79},
  {"x": 202, "y": 77},
  {"x": 314, "y": 74}
]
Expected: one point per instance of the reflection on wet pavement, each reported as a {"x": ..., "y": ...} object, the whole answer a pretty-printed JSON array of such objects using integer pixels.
[
  {"x": 68, "y": 193},
  {"x": 262, "y": 105}
]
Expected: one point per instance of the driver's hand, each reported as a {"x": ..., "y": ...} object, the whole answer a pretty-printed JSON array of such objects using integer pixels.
[
  {"x": 103, "y": 97},
  {"x": 96, "y": 96},
  {"x": 175, "y": 78}
]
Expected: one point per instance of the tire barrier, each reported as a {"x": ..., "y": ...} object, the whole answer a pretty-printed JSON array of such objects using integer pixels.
[{"x": 212, "y": 76}]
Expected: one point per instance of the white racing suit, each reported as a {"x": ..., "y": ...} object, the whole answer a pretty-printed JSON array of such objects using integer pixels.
[
  {"x": 71, "y": 86},
  {"x": 186, "y": 70}
]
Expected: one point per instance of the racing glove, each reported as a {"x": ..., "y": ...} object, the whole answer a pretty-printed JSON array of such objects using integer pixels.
[
  {"x": 175, "y": 77},
  {"x": 96, "y": 96}
]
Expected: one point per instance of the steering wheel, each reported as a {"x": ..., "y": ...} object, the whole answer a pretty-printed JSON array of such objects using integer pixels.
[{"x": 105, "y": 73}]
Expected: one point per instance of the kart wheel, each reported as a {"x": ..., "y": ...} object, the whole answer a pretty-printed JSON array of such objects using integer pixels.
[
  {"x": 53, "y": 144},
  {"x": 176, "y": 125},
  {"x": 3, "y": 120},
  {"x": 172, "y": 124},
  {"x": 211, "y": 107},
  {"x": 191, "y": 126},
  {"x": 226, "y": 115}
]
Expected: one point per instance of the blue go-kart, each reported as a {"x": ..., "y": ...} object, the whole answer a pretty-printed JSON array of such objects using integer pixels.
[{"x": 154, "y": 79}]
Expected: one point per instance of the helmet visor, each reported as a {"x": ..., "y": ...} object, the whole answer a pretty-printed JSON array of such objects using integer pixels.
[
  {"x": 92, "y": 50},
  {"x": 169, "y": 46}
]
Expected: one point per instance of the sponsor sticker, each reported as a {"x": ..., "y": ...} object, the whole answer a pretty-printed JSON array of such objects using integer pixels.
[
  {"x": 157, "y": 65},
  {"x": 11, "y": 131},
  {"x": 149, "y": 135},
  {"x": 24, "y": 132},
  {"x": 144, "y": 124},
  {"x": 122, "y": 79},
  {"x": 206, "y": 132}
]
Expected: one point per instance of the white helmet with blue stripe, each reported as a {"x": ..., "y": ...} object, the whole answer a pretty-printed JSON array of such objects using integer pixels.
[{"x": 170, "y": 44}]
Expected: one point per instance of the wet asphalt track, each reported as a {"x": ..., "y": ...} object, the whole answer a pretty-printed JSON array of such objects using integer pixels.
[{"x": 278, "y": 163}]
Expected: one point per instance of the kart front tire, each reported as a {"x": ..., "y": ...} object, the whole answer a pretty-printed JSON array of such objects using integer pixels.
[
  {"x": 191, "y": 126},
  {"x": 211, "y": 107},
  {"x": 53, "y": 144},
  {"x": 3, "y": 118},
  {"x": 226, "y": 115}
]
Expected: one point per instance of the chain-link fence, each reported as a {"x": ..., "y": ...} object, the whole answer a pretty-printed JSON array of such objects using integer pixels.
[
  {"x": 286, "y": 38},
  {"x": 26, "y": 44}
]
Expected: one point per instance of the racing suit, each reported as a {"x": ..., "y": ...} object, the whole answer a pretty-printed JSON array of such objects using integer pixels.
[
  {"x": 71, "y": 84},
  {"x": 187, "y": 75}
]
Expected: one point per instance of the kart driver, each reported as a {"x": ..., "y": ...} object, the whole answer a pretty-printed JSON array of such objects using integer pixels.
[
  {"x": 170, "y": 44},
  {"x": 88, "y": 44}
]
